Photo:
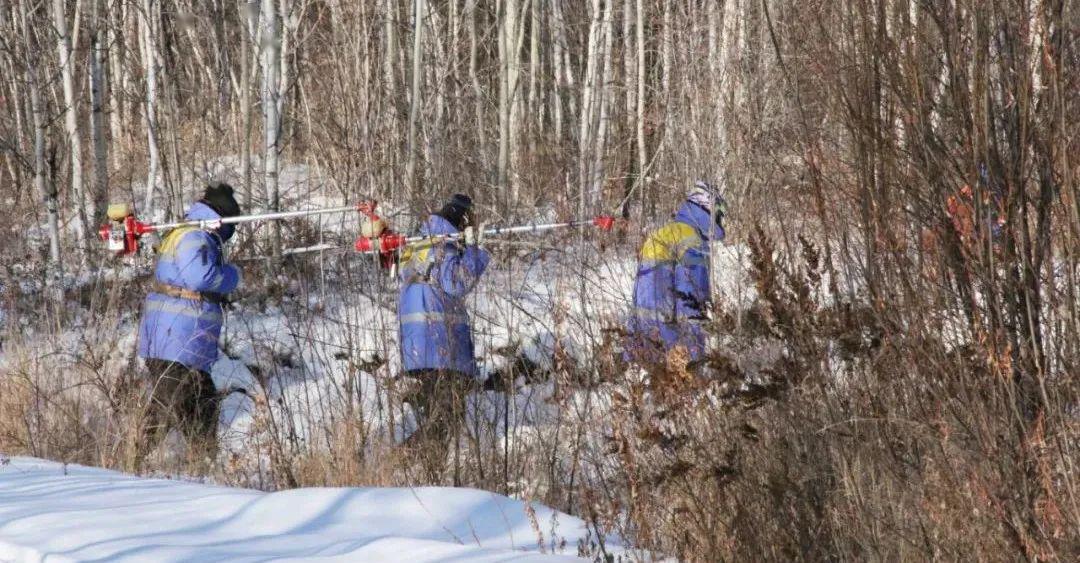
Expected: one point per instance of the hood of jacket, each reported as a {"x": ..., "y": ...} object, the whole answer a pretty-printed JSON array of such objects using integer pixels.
[{"x": 436, "y": 225}]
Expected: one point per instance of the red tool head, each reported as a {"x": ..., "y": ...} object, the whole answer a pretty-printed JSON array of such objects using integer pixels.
[
  {"x": 121, "y": 235},
  {"x": 604, "y": 222},
  {"x": 385, "y": 244}
]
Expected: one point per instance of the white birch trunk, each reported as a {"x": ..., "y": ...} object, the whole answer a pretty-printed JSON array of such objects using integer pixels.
[
  {"x": 249, "y": 11},
  {"x": 511, "y": 35},
  {"x": 729, "y": 23},
  {"x": 71, "y": 124},
  {"x": 417, "y": 80},
  {"x": 599, "y": 172},
  {"x": 117, "y": 82},
  {"x": 639, "y": 121},
  {"x": 558, "y": 43},
  {"x": 474, "y": 79},
  {"x": 37, "y": 112},
  {"x": 587, "y": 125},
  {"x": 148, "y": 47},
  {"x": 270, "y": 23},
  {"x": 390, "y": 82},
  {"x": 534, "y": 109},
  {"x": 667, "y": 61},
  {"x": 287, "y": 26}
]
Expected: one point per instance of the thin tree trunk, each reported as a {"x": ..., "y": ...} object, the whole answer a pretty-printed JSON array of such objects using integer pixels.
[
  {"x": 414, "y": 101},
  {"x": 249, "y": 11},
  {"x": 508, "y": 75},
  {"x": 271, "y": 66},
  {"x": 117, "y": 82},
  {"x": 286, "y": 23},
  {"x": 71, "y": 123},
  {"x": 97, "y": 115},
  {"x": 599, "y": 172},
  {"x": 587, "y": 125},
  {"x": 557, "y": 58},
  {"x": 639, "y": 120},
  {"x": 535, "y": 108},
  {"x": 37, "y": 112},
  {"x": 478, "y": 89},
  {"x": 667, "y": 62},
  {"x": 148, "y": 45}
]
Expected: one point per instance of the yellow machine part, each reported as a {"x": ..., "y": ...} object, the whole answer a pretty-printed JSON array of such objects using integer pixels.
[{"x": 118, "y": 211}]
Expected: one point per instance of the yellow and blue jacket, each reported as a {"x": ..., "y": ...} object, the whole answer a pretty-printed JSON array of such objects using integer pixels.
[
  {"x": 435, "y": 278},
  {"x": 187, "y": 330},
  {"x": 671, "y": 291}
]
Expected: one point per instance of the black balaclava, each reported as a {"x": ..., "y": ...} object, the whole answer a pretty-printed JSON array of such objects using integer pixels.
[
  {"x": 457, "y": 211},
  {"x": 219, "y": 196}
]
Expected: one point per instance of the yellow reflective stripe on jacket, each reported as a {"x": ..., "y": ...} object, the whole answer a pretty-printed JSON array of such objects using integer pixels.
[
  {"x": 415, "y": 262},
  {"x": 171, "y": 242},
  {"x": 183, "y": 309},
  {"x": 669, "y": 243}
]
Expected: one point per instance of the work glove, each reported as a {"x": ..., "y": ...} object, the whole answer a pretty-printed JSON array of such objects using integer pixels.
[{"x": 474, "y": 236}]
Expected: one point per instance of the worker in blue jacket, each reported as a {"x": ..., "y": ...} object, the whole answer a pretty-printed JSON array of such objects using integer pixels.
[
  {"x": 436, "y": 337},
  {"x": 672, "y": 290},
  {"x": 181, "y": 324}
]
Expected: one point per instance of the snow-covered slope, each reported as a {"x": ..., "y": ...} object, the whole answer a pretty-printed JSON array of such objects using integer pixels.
[{"x": 74, "y": 513}]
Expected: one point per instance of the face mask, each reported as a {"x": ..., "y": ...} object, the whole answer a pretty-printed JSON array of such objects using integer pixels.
[{"x": 226, "y": 232}]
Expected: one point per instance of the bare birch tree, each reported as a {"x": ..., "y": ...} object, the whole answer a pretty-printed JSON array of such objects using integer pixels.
[
  {"x": 71, "y": 121},
  {"x": 415, "y": 98},
  {"x": 249, "y": 14},
  {"x": 46, "y": 189},
  {"x": 270, "y": 22},
  {"x": 148, "y": 48},
  {"x": 98, "y": 141}
]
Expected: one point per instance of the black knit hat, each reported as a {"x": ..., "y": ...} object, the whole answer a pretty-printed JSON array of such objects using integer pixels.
[
  {"x": 457, "y": 210},
  {"x": 219, "y": 196}
]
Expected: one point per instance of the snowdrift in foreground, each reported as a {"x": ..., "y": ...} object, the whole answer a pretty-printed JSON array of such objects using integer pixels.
[{"x": 78, "y": 513}]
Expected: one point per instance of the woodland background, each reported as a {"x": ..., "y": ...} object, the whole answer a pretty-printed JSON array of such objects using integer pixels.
[{"x": 840, "y": 129}]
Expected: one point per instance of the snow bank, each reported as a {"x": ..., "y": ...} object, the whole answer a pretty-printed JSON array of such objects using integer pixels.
[{"x": 74, "y": 513}]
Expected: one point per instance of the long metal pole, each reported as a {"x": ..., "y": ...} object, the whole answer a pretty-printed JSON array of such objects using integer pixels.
[
  {"x": 210, "y": 223},
  {"x": 493, "y": 231},
  {"x": 496, "y": 231}
]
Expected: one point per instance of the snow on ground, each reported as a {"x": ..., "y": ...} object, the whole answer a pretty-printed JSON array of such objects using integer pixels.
[{"x": 72, "y": 513}]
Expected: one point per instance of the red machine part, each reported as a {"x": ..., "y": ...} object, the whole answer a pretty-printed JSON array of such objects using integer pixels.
[
  {"x": 122, "y": 237},
  {"x": 385, "y": 244}
]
